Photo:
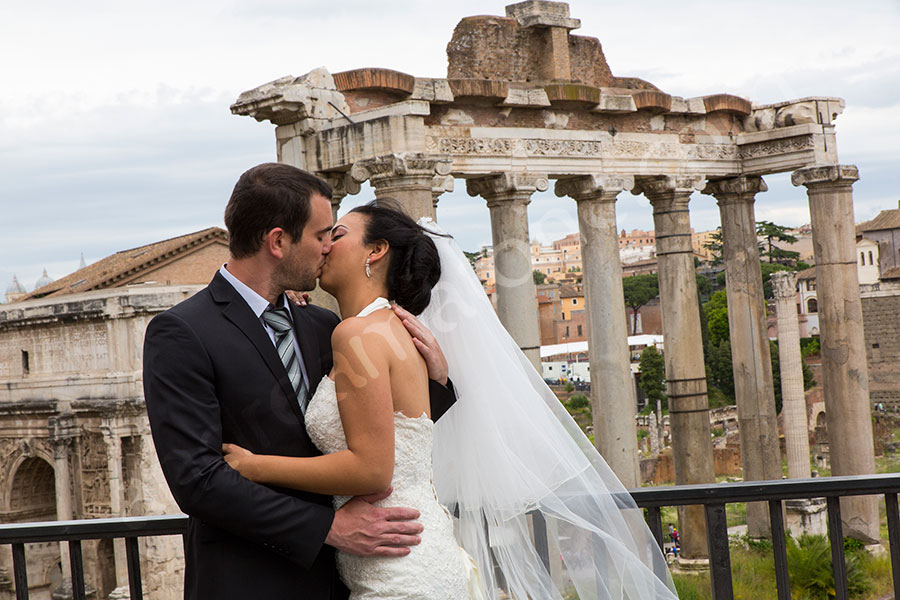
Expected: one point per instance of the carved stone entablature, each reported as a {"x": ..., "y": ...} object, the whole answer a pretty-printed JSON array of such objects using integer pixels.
[
  {"x": 507, "y": 186},
  {"x": 822, "y": 111},
  {"x": 541, "y": 147},
  {"x": 735, "y": 189},
  {"x": 777, "y": 146},
  {"x": 668, "y": 184},
  {"x": 593, "y": 186},
  {"x": 292, "y": 99},
  {"x": 537, "y": 13},
  {"x": 784, "y": 284},
  {"x": 834, "y": 174},
  {"x": 402, "y": 164}
]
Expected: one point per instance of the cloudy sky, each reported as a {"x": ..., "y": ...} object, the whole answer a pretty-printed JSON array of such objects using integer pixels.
[{"x": 115, "y": 129}]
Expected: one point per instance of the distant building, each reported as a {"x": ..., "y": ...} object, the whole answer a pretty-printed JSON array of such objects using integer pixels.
[{"x": 74, "y": 437}]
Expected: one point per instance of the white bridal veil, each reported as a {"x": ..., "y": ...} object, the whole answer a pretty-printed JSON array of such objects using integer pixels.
[{"x": 508, "y": 451}]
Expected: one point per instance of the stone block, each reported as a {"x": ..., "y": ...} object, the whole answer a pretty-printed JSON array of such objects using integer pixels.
[{"x": 539, "y": 13}]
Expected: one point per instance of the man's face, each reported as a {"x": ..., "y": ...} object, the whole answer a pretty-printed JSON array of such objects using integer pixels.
[{"x": 304, "y": 258}]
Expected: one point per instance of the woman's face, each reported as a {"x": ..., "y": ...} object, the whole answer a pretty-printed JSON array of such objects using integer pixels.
[{"x": 347, "y": 258}]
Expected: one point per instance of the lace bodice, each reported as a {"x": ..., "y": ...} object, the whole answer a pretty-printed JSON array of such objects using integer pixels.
[
  {"x": 436, "y": 569},
  {"x": 412, "y": 444}
]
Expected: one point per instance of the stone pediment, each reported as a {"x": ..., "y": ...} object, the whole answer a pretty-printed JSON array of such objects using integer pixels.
[{"x": 129, "y": 266}]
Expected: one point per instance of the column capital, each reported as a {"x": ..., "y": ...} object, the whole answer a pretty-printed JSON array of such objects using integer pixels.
[
  {"x": 784, "y": 284},
  {"x": 668, "y": 184},
  {"x": 342, "y": 184},
  {"x": 836, "y": 174},
  {"x": 507, "y": 185},
  {"x": 593, "y": 186},
  {"x": 735, "y": 187},
  {"x": 400, "y": 164}
]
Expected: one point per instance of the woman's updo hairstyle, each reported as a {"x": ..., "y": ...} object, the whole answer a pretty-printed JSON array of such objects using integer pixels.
[{"x": 414, "y": 266}]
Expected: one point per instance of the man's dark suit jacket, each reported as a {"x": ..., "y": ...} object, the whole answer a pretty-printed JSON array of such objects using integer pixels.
[{"x": 212, "y": 375}]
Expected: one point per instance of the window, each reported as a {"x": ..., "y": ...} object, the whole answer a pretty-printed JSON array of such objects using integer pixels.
[
  {"x": 579, "y": 330},
  {"x": 870, "y": 257},
  {"x": 26, "y": 367},
  {"x": 567, "y": 331},
  {"x": 812, "y": 306},
  {"x": 862, "y": 259}
]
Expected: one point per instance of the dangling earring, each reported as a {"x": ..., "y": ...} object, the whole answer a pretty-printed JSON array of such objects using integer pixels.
[{"x": 368, "y": 272}]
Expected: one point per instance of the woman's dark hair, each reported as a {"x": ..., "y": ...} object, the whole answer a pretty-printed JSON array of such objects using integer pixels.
[
  {"x": 414, "y": 266},
  {"x": 267, "y": 196}
]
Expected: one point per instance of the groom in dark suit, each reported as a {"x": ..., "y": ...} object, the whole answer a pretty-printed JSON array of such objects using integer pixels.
[{"x": 212, "y": 375}]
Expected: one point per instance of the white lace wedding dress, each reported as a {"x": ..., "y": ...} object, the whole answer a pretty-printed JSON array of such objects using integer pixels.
[{"x": 436, "y": 569}]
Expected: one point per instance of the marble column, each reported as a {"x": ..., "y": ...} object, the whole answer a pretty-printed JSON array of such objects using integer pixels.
[
  {"x": 507, "y": 197},
  {"x": 613, "y": 404},
  {"x": 750, "y": 356},
  {"x": 63, "y": 483},
  {"x": 793, "y": 400},
  {"x": 844, "y": 367},
  {"x": 406, "y": 177},
  {"x": 116, "y": 505},
  {"x": 685, "y": 370}
]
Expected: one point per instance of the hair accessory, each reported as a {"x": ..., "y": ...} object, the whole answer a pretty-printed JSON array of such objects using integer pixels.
[{"x": 368, "y": 272}]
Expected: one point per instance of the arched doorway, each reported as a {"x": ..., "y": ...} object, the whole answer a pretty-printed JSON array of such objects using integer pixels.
[{"x": 32, "y": 497}]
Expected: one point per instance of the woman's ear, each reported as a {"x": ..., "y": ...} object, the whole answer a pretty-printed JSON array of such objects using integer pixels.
[{"x": 377, "y": 251}]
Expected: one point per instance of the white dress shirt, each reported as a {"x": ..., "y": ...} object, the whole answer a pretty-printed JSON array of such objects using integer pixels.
[{"x": 258, "y": 305}]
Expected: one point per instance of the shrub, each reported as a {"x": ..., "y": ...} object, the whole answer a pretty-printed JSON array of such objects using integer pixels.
[
  {"x": 577, "y": 402},
  {"x": 810, "y": 568}
]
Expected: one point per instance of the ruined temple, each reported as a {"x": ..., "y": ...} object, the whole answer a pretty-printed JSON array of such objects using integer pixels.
[{"x": 526, "y": 103}]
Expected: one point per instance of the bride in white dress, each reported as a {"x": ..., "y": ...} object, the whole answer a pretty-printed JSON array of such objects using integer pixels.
[{"x": 536, "y": 508}]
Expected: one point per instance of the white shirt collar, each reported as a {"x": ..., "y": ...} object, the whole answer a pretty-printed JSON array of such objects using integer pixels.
[{"x": 257, "y": 303}]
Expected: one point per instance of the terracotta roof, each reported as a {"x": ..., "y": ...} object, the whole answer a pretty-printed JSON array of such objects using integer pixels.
[
  {"x": 120, "y": 268},
  {"x": 570, "y": 291},
  {"x": 809, "y": 273},
  {"x": 892, "y": 273},
  {"x": 886, "y": 219}
]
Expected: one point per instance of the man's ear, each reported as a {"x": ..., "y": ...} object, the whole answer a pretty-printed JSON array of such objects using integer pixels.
[{"x": 275, "y": 242}]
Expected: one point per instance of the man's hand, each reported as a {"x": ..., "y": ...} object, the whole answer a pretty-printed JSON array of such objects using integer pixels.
[
  {"x": 365, "y": 530},
  {"x": 426, "y": 344}
]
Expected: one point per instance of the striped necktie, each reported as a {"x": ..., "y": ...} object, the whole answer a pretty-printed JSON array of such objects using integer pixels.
[{"x": 279, "y": 320}]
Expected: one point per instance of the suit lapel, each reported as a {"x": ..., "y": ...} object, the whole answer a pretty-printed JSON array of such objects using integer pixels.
[{"x": 236, "y": 310}]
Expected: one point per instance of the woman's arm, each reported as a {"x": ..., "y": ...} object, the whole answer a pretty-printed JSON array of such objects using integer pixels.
[{"x": 363, "y": 383}]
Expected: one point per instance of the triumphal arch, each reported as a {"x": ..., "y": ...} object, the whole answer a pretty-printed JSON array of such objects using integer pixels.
[{"x": 526, "y": 104}]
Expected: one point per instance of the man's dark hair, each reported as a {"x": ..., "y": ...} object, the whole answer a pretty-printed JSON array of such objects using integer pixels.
[{"x": 267, "y": 196}]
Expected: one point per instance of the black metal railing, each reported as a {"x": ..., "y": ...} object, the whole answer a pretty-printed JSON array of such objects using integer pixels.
[
  {"x": 74, "y": 532},
  {"x": 713, "y": 497}
]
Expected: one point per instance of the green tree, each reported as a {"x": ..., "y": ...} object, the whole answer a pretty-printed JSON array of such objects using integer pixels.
[
  {"x": 639, "y": 290},
  {"x": 539, "y": 277},
  {"x": 771, "y": 233},
  {"x": 717, "y": 318},
  {"x": 472, "y": 256},
  {"x": 720, "y": 372},
  {"x": 653, "y": 376}
]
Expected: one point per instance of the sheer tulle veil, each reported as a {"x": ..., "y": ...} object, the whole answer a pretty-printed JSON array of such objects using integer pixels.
[{"x": 509, "y": 459}]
